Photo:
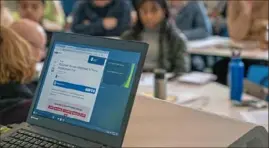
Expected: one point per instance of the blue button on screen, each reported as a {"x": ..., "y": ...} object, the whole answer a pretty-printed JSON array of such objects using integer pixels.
[{"x": 96, "y": 60}]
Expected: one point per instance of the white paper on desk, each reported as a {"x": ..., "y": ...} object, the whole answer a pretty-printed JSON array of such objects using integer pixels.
[
  {"x": 209, "y": 42},
  {"x": 257, "y": 117},
  {"x": 197, "y": 78},
  {"x": 146, "y": 80},
  {"x": 183, "y": 98}
]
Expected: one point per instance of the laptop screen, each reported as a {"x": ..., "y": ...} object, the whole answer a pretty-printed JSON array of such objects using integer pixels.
[{"x": 87, "y": 86}]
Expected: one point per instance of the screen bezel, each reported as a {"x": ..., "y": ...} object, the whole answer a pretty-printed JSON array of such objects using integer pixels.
[{"x": 91, "y": 135}]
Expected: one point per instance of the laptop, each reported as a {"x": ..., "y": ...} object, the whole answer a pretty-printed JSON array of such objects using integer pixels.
[{"x": 84, "y": 96}]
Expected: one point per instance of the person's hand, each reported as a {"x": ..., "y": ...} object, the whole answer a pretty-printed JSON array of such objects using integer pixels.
[
  {"x": 215, "y": 13},
  {"x": 133, "y": 17},
  {"x": 110, "y": 23},
  {"x": 86, "y": 22},
  {"x": 261, "y": 24},
  {"x": 51, "y": 26}
]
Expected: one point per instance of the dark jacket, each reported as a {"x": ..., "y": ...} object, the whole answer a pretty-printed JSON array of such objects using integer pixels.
[
  {"x": 193, "y": 21},
  {"x": 15, "y": 101},
  {"x": 118, "y": 9},
  {"x": 172, "y": 48}
]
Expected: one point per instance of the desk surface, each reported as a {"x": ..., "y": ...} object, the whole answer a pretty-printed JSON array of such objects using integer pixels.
[
  {"x": 156, "y": 123},
  {"x": 209, "y": 47},
  {"x": 255, "y": 54},
  {"x": 216, "y": 98}
]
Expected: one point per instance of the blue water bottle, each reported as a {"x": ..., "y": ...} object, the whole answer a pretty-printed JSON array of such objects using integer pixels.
[{"x": 236, "y": 80}]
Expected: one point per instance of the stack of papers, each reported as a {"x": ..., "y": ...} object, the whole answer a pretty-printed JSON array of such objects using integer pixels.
[
  {"x": 256, "y": 117},
  {"x": 197, "y": 78}
]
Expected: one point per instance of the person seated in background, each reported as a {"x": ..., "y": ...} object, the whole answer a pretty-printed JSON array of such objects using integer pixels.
[
  {"x": 102, "y": 17},
  {"x": 192, "y": 19},
  {"x": 133, "y": 12},
  {"x": 17, "y": 68},
  {"x": 247, "y": 21},
  {"x": 48, "y": 13},
  {"x": 5, "y": 16},
  {"x": 68, "y": 7},
  {"x": 218, "y": 16},
  {"x": 34, "y": 34},
  {"x": 167, "y": 44}
]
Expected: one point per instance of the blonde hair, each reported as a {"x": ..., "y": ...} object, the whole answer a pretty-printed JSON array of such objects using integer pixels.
[{"x": 16, "y": 58}]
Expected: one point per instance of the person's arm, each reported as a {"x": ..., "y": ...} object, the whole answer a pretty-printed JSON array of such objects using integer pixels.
[
  {"x": 239, "y": 20},
  {"x": 58, "y": 22},
  {"x": 60, "y": 16},
  {"x": 258, "y": 25},
  {"x": 178, "y": 45},
  {"x": 202, "y": 25},
  {"x": 124, "y": 21},
  {"x": 78, "y": 25}
]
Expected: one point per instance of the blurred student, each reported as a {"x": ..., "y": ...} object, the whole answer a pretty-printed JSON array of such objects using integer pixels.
[
  {"x": 218, "y": 16},
  {"x": 167, "y": 44},
  {"x": 68, "y": 6},
  {"x": 102, "y": 17},
  {"x": 247, "y": 20},
  {"x": 17, "y": 68},
  {"x": 48, "y": 13},
  {"x": 191, "y": 17},
  {"x": 34, "y": 34},
  {"x": 5, "y": 16},
  {"x": 133, "y": 12}
]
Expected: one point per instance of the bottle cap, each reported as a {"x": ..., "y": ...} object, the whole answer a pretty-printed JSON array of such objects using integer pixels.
[
  {"x": 236, "y": 53},
  {"x": 159, "y": 73}
]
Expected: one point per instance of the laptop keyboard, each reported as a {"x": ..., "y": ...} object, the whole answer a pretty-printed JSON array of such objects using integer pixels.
[{"x": 26, "y": 139}]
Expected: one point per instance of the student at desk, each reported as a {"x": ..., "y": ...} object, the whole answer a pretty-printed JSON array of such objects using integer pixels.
[
  {"x": 247, "y": 20},
  {"x": 17, "y": 68},
  {"x": 102, "y": 17},
  {"x": 48, "y": 13},
  {"x": 191, "y": 17},
  {"x": 167, "y": 44}
]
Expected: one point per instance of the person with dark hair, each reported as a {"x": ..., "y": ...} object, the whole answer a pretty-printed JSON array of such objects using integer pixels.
[
  {"x": 101, "y": 17},
  {"x": 48, "y": 13},
  {"x": 33, "y": 10},
  {"x": 167, "y": 44}
]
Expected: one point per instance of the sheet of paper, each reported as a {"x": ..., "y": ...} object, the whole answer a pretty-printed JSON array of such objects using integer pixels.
[
  {"x": 257, "y": 117},
  {"x": 209, "y": 42},
  {"x": 146, "y": 80},
  {"x": 197, "y": 78}
]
